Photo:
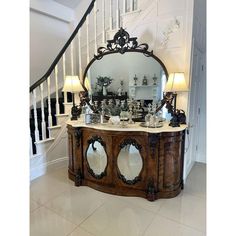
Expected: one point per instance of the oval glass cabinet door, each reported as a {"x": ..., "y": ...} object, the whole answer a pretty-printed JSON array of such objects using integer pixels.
[
  {"x": 129, "y": 162},
  {"x": 97, "y": 158}
]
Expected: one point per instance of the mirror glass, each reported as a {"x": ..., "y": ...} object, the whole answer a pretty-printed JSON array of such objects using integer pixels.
[
  {"x": 129, "y": 162},
  {"x": 130, "y": 75},
  {"x": 96, "y": 157}
]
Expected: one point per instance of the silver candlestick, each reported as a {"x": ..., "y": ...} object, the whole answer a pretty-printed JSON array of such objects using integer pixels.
[{"x": 130, "y": 113}]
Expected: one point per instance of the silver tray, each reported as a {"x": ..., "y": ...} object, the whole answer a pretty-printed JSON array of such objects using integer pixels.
[{"x": 150, "y": 126}]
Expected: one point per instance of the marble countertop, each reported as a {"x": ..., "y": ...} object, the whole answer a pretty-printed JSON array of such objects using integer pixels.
[{"x": 129, "y": 127}]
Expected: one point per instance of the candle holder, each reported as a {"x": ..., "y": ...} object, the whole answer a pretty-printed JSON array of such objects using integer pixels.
[
  {"x": 135, "y": 80},
  {"x": 154, "y": 80}
]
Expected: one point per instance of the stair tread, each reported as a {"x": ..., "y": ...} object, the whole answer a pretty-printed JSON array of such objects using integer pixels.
[
  {"x": 45, "y": 140},
  {"x": 61, "y": 115},
  {"x": 54, "y": 127}
]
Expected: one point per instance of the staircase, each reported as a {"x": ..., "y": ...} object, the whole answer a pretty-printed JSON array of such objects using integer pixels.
[{"x": 50, "y": 108}]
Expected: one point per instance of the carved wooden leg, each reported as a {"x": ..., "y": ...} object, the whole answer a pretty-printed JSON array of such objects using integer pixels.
[
  {"x": 78, "y": 178},
  {"x": 151, "y": 191}
]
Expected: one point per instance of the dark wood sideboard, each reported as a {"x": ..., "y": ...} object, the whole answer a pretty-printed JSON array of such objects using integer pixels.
[{"x": 162, "y": 154}]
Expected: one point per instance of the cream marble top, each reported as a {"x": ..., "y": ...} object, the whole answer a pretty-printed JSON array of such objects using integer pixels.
[{"x": 129, "y": 127}]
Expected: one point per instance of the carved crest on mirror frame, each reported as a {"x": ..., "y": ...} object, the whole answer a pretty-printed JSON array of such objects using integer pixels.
[{"x": 122, "y": 43}]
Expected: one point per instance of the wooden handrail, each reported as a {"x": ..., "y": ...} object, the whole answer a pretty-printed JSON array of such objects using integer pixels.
[{"x": 51, "y": 68}]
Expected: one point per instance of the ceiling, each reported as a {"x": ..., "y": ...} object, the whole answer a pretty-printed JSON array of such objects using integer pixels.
[{"x": 69, "y": 3}]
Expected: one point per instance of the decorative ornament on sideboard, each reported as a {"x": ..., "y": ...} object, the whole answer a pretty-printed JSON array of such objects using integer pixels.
[{"x": 176, "y": 83}]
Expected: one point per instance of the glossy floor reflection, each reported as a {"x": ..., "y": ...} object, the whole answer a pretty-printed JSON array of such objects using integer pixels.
[{"x": 59, "y": 208}]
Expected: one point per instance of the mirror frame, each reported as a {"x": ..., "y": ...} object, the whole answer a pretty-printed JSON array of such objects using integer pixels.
[
  {"x": 91, "y": 141},
  {"x": 121, "y": 43},
  {"x": 125, "y": 142}
]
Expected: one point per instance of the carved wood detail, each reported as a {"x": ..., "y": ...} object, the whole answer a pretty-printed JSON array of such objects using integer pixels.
[
  {"x": 78, "y": 135},
  {"x": 162, "y": 154},
  {"x": 130, "y": 141},
  {"x": 151, "y": 190},
  {"x": 78, "y": 178},
  {"x": 121, "y": 43},
  {"x": 91, "y": 142},
  {"x": 153, "y": 142}
]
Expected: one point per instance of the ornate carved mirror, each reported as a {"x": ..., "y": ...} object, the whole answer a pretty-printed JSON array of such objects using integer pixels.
[
  {"x": 125, "y": 69},
  {"x": 96, "y": 157},
  {"x": 129, "y": 162}
]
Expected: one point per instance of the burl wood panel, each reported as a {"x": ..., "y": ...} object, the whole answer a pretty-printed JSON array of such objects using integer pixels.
[
  {"x": 170, "y": 163},
  {"x": 162, "y": 154}
]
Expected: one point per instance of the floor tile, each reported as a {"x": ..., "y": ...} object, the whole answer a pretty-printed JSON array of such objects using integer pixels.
[
  {"x": 196, "y": 181},
  {"x": 186, "y": 209},
  {"x": 161, "y": 226},
  {"x": 77, "y": 203},
  {"x": 80, "y": 232},
  {"x": 57, "y": 207},
  {"x": 62, "y": 175},
  {"x": 144, "y": 203},
  {"x": 44, "y": 222},
  {"x": 118, "y": 218},
  {"x": 47, "y": 187}
]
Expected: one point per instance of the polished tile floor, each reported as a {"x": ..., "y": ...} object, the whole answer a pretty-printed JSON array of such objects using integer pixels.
[{"x": 58, "y": 208}]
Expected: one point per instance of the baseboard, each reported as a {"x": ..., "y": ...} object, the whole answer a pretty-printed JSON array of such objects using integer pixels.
[
  {"x": 43, "y": 168},
  {"x": 201, "y": 158},
  {"x": 187, "y": 170}
]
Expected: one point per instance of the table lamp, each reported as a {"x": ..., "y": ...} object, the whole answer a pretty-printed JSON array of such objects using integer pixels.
[
  {"x": 176, "y": 83},
  {"x": 72, "y": 84}
]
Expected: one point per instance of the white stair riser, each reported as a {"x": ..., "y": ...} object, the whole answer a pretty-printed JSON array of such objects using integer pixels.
[
  {"x": 62, "y": 119},
  {"x": 54, "y": 158},
  {"x": 43, "y": 147},
  {"x": 67, "y": 108},
  {"x": 54, "y": 132}
]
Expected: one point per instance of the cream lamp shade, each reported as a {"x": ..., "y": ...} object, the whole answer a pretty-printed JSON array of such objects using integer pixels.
[
  {"x": 72, "y": 84},
  {"x": 87, "y": 84},
  {"x": 176, "y": 83}
]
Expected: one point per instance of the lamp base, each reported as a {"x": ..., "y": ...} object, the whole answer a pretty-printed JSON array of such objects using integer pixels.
[
  {"x": 74, "y": 118},
  {"x": 74, "y": 113},
  {"x": 174, "y": 122}
]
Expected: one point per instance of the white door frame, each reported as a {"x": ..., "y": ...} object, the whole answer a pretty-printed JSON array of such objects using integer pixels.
[{"x": 195, "y": 137}]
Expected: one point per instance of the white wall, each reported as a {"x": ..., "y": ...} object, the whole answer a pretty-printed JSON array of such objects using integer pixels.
[{"x": 48, "y": 33}]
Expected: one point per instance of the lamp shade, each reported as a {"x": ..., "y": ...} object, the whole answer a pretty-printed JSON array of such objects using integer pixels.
[
  {"x": 87, "y": 84},
  {"x": 176, "y": 83},
  {"x": 72, "y": 84}
]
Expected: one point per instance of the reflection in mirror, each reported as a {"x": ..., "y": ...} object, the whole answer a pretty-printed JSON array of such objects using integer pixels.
[
  {"x": 131, "y": 75},
  {"x": 129, "y": 162},
  {"x": 96, "y": 157},
  {"x": 127, "y": 82}
]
